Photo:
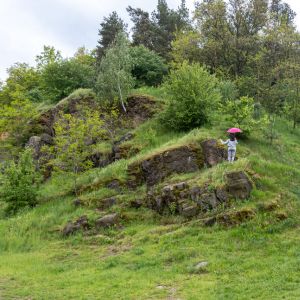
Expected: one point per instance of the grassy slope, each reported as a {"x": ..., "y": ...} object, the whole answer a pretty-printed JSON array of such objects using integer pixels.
[{"x": 152, "y": 256}]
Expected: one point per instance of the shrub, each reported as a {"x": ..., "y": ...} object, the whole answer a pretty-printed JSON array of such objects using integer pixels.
[
  {"x": 20, "y": 183},
  {"x": 242, "y": 113},
  {"x": 149, "y": 68},
  {"x": 193, "y": 97}
]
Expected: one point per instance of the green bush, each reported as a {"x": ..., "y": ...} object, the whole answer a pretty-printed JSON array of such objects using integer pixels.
[
  {"x": 242, "y": 113},
  {"x": 61, "y": 78},
  {"x": 193, "y": 98},
  {"x": 149, "y": 68},
  {"x": 20, "y": 184}
]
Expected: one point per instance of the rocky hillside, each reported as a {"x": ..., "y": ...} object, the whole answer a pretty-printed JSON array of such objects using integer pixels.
[{"x": 161, "y": 215}]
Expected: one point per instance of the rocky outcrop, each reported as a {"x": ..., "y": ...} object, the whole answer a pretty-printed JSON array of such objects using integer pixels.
[
  {"x": 37, "y": 142},
  {"x": 238, "y": 185},
  {"x": 72, "y": 105},
  {"x": 100, "y": 160},
  {"x": 106, "y": 203},
  {"x": 121, "y": 149},
  {"x": 182, "y": 199},
  {"x": 72, "y": 227},
  {"x": 189, "y": 201},
  {"x": 140, "y": 108},
  {"x": 213, "y": 152},
  {"x": 231, "y": 218},
  {"x": 182, "y": 159}
]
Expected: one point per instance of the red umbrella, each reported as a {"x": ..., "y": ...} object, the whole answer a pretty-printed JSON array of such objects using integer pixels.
[{"x": 234, "y": 130}]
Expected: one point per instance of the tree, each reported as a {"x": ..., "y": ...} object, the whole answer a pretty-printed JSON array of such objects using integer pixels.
[
  {"x": 158, "y": 31},
  {"x": 59, "y": 79},
  {"x": 20, "y": 183},
  {"x": 48, "y": 56},
  {"x": 114, "y": 78},
  {"x": 148, "y": 67},
  {"x": 215, "y": 41},
  {"x": 241, "y": 113},
  {"x": 14, "y": 123},
  {"x": 193, "y": 97},
  {"x": 74, "y": 141},
  {"x": 109, "y": 28},
  {"x": 143, "y": 31},
  {"x": 185, "y": 47},
  {"x": 21, "y": 82}
]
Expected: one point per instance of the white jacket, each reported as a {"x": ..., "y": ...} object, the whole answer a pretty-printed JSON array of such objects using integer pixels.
[{"x": 231, "y": 144}]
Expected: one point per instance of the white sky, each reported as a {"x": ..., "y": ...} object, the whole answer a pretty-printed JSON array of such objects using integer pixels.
[{"x": 27, "y": 25}]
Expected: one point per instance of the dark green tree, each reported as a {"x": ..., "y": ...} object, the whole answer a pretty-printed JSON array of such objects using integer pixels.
[
  {"x": 148, "y": 67},
  {"x": 143, "y": 31},
  {"x": 109, "y": 28},
  {"x": 158, "y": 31}
]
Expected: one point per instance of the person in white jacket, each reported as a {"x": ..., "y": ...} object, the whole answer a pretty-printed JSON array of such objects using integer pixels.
[{"x": 231, "y": 144}]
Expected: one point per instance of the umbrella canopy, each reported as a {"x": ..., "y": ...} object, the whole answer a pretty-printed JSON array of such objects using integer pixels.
[{"x": 234, "y": 130}]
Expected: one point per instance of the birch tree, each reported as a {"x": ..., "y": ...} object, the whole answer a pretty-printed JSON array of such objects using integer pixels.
[{"x": 114, "y": 80}]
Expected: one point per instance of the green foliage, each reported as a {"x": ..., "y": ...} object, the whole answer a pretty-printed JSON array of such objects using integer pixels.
[
  {"x": 193, "y": 97},
  {"x": 22, "y": 83},
  {"x": 185, "y": 47},
  {"x": 241, "y": 114},
  {"x": 20, "y": 182},
  {"x": 158, "y": 31},
  {"x": 59, "y": 79},
  {"x": 228, "y": 90},
  {"x": 149, "y": 68},
  {"x": 48, "y": 56},
  {"x": 114, "y": 78},
  {"x": 74, "y": 140},
  {"x": 109, "y": 29},
  {"x": 14, "y": 123}
]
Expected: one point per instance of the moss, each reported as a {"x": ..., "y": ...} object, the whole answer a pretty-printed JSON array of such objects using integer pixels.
[
  {"x": 135, "y": 175},
  {"x": 268, "y": 206},
  {"x": 237, "y": 217}
]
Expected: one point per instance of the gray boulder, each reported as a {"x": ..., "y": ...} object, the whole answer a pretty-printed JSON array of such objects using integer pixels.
[
  {"x": 107, "y": 221},
  {"x": 80, "y": 224},
  {"x": 238, "y": 185},
  {"x": 213, "y": 153}
]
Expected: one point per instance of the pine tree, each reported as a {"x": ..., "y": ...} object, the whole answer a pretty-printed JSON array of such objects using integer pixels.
[{"x": 109, "y": 28}]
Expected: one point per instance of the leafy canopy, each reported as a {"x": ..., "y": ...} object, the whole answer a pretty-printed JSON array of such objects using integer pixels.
[{"x": 193, "y": 97}]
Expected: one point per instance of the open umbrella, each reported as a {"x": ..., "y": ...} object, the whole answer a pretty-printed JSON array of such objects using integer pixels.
[{"x": 234, "y": 130}]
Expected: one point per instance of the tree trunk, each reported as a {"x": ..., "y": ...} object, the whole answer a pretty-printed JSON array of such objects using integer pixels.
[{"x": 121, "y": 97}]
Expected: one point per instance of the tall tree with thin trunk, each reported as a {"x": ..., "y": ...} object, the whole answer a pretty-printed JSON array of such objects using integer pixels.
[{"x": 114, "y": 80}]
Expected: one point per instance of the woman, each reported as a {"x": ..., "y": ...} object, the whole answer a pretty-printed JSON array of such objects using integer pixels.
[{"x": 231, "y": 144}]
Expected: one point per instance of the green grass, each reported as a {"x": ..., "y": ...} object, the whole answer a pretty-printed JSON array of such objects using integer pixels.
[{"x": 153, "y": 256}]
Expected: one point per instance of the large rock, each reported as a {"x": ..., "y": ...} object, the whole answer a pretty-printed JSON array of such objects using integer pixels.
[
  {"x": 184, "y": 200},
  {"x": 231, "y": 218},
  {"x": 72, "y": 227},
  {"x": 182, "y": 159},
  {"x": 37, "y": 142},
  {"x": 72, "y": 105},
  {"x": 121, "y": 149},
  {"x": 213, "y": 152},
  {"x": 189, "y": 201},
  {"x": 140, "y": 108},
  {"x": 107, "y": 221},
  {"x": 238, "y": 185},
  {"x": 107, "y": 203}
]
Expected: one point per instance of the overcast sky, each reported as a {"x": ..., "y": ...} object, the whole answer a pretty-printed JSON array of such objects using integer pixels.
[{"x": 27, "y": 25}]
